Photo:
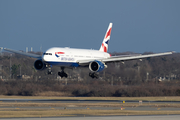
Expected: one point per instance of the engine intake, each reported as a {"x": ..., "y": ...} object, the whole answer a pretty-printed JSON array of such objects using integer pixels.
[
  {"x": 39, "y": 65},
  {"x": 96, "y": 66}
]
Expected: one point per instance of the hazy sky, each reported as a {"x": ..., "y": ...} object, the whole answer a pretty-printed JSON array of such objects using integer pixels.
[{"x": 138, "y": 25}]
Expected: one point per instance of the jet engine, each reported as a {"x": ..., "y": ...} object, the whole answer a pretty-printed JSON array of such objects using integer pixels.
[
  {"x": 97, "y": 66},
  {"x": 39, "y": 65}
]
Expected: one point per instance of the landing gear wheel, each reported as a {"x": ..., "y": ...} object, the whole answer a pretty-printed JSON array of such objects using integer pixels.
[
  {"x": 62, "y": 73},
  {"x": 91, "y": 75},
  {"x": 94, "y": 75}
]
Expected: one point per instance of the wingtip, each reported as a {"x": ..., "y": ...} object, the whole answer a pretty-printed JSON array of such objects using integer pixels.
[{"x": 5, "y": 48}]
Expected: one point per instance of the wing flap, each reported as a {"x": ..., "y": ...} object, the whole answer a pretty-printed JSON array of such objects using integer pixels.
[{"x": 130, "y": 55}]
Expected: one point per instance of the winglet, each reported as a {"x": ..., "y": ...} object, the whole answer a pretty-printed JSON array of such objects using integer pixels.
[{"x": 104, "y": 46}]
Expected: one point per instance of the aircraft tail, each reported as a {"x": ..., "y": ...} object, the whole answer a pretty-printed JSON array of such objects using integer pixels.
[{"x": 104, "y": 46}]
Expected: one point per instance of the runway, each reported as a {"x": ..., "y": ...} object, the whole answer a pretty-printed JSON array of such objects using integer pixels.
[
  {"x": 91, "y": 104},
  {"x": 88, "y": 108},
  {"x": 139, "y": 108},
  {"x": 157, "y": 117}
]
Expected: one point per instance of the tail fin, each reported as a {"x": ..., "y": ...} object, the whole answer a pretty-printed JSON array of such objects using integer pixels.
[{"x": 104, "y": 46}]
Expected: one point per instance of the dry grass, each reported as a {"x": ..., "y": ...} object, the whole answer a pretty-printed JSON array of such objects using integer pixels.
[
  {"x": 52, "y": 93},
  {"x": 50, "y": 113}
]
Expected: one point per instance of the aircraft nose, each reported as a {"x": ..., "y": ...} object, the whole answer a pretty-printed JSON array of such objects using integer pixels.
[{"x": 44, "y": 57}]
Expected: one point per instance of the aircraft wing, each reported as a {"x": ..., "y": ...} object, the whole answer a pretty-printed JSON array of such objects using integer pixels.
[
  {"x": 124, "y": 58},
  {"x": 23, "y": 53},
  {"x": 112, "y": 59}
]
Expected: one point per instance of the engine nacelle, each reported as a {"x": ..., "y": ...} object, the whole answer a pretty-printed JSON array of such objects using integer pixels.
[
  {"x": 96, "y": 66},
  {"x": 39, "y": 65}
]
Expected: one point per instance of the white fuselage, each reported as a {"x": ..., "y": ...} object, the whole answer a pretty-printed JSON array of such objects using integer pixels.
[{"x": 70, "y": 56}]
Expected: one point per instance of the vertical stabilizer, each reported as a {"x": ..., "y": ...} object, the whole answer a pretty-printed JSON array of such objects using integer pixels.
[{"x": 104, "y": 46}]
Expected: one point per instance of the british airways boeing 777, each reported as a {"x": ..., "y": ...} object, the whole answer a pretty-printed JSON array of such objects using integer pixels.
[{"x": 69, "y": 57}]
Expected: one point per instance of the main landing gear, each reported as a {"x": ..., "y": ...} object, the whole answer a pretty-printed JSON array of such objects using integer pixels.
[
  {"x": 93, "y": 75},
  {"x": 62, "y": 73}
]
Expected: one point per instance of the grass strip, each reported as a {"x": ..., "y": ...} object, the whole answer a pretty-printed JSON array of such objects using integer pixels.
[{"x": 57, "y": 113}]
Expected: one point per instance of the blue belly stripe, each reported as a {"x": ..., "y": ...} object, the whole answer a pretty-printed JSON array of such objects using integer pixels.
[{"x": 71, "y": 64}]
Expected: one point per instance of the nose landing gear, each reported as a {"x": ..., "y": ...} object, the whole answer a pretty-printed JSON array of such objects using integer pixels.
[{"x": 49, "y": 72}]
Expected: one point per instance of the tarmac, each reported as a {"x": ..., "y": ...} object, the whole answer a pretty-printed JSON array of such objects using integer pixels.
[
  {"x": 83, "y": 117},
  {"x": 157, "y": 117}
]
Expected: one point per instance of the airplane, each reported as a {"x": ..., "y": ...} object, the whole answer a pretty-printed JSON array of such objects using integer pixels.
[{"x": 67, "y": 57}]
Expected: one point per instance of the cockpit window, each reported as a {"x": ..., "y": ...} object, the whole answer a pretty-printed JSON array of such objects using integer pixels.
[{"x": 47, "y": 53}]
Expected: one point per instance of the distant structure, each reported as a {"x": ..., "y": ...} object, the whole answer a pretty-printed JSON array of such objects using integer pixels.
[
  {"x": 31, "y": 49},
  {"x": 1, "y": 48},
  {"x": 41, "y": 48},
  {"x": 26, "y": 49},
  {"x": 1, "y": 76}
]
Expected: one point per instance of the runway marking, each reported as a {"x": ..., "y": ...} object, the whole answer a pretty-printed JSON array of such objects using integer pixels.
[{"x": 158, "y": 108}]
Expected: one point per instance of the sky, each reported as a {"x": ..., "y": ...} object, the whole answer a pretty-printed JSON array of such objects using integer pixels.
[{"x": 138, "y": 25}]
